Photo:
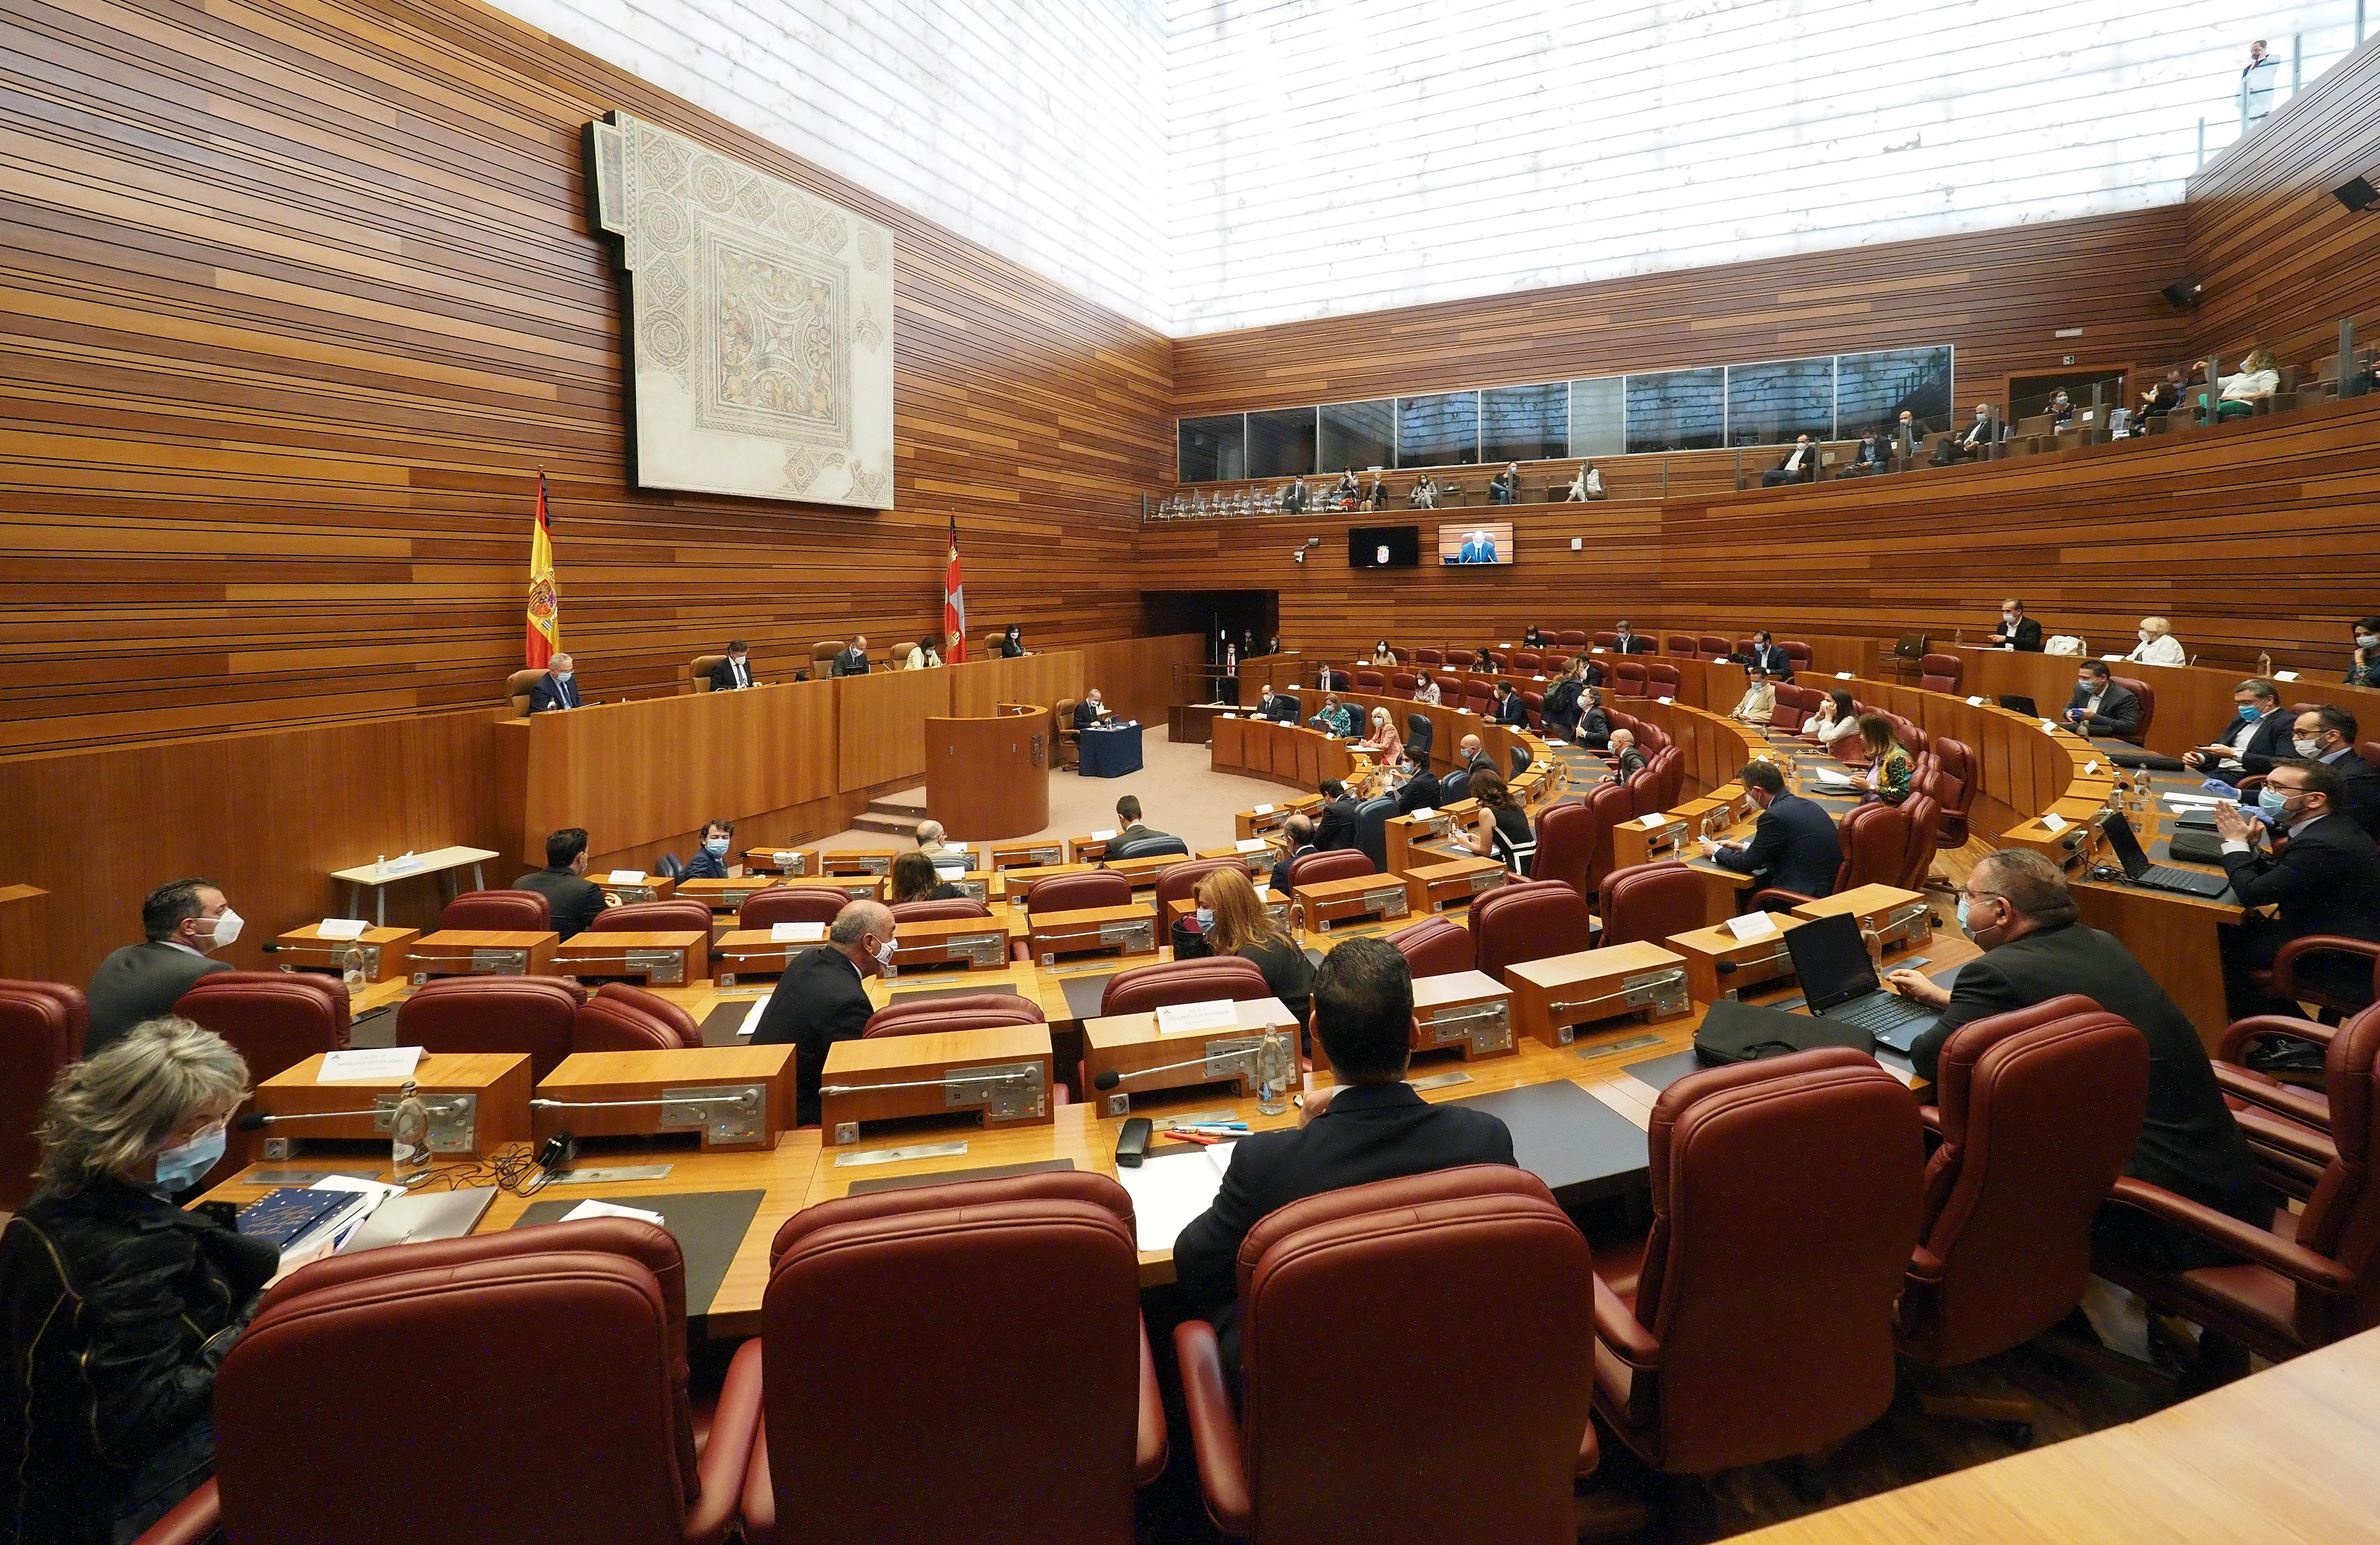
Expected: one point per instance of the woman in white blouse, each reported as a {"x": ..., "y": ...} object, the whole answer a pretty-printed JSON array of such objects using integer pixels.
[
  {"x": 2258, "y": 378},
  {"x": 926, "y": 654},
  {"x": 1428, "y": 691},
  {"x": 2157, "y": 645},
  {"x": 1837, "y": 720}
]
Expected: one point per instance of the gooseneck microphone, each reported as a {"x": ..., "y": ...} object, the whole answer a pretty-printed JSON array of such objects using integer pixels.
[{"x": 1111, "y": 1078}]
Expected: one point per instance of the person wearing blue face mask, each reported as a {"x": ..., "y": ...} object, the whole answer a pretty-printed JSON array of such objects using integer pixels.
[
  {"x": 557, "y": 689},
  {"x": 711, "y": 861},
  {"x": 118, "y": 1306},
  {"x": 2256, "y": 737},
  {"x": 2324, "y": 880},
  {"x": 1234, "y": 921}
]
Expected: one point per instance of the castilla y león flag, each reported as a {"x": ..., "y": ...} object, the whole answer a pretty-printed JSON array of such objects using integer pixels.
[{"x": 953, "y": 603}]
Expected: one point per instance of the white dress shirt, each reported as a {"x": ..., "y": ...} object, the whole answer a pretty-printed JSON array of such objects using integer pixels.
[{"x": 2163, "y": 649}]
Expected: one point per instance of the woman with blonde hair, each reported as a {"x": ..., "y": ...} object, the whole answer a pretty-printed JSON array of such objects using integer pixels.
[
  {"x": 2258, "y": 378},
  {"x": 1235, "y": 921},
  {"x": 118, "y": 1305},
  {"x": 2157, "y": 645},
  {"x": 1385, "y": 744}
]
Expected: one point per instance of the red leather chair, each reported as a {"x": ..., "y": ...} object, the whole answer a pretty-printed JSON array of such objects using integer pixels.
[
  {"x": 654, "y": 916},
  {"x": 949, "y": 909},
  {"x": 1565, "y": 845},
  {"x": 1954, "y": 788},
  {"x": 1798, "y": 652},
  {"x": 1757, "y": 1322},
  {"x": 791, "y": 903},
  {"x": 2288, "y": 1126},
  {"x": 1534, "y": 702},
  {"x": 1326, "y": 1285},
  {"x": 617, "y": 1022},
  {"x": 1180, "y": 881},
  {"x": 1924, "y": 836},
  {"x": 42, "y": 1029},
  {"x": 654, "y": 1003},
  {"x": 1647, "y": 903},
  {"x": 1576, "y": 638},
  {"x": 583, "y": 1321},
  {"x": 1657, "y": 788},
  {"x": 1528, "y": 662},
  {"x": 1433, "y": 658},
  {"x": 2038, "y": 1112},
  {"x": 1608, "y": 805},
  {"x": 1711, "y": 646},
  {"x": 273, "y": 1019},
  {"x": 1792, "y": 707},
  {"x": 2307, "y": 1281},
  {"x": 1435, "y": 947},
  {"x": 499, "y": 912},
  {"x": 1403, "y": 684},
  {"x": 1629, "y": 677},
  {"x": 2147, "y": 696},
  {"x": 1079, "y": 893},
  {"x": 536, "y": 1014},
  {"x": 1875, "y": 849},
  {"x": 1682, "y": 645},
  {"x": 1528, "y": 920},
  {"x": 1144, "y": 988},
  {"x": 1941, "y": 673},
  {"x": 1340, "y": 863},
  {"x": 1370, "y": 681},
  {"x": 961, "y": 1011},
  {"x": 1479, "y": 695},
  {"x": 1032, "y": 1285},
  {"x": 1662, "y": 678}
]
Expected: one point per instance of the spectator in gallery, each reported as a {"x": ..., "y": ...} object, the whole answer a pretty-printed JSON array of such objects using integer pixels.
[
  {"x": 1424, "y": 494},
  {"x": 2157, "y": 645},
  {"x": 1587, "y": 485},
  {"x": 1801, "y": 464},
  {"x": 2258, "y": 377},
  {"x": 1375, "y": 497},
  {"x": 1345, "y": 494},
  {"x": 2257, "y": 83},
  {"x": 1504, "y": 487}
]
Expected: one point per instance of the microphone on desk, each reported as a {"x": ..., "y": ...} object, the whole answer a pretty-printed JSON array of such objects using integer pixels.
[
  {"x": 256, "y": 1121},
  {"x": 741, "y": 1099},
  {"x": 1111, "y": 1078}
]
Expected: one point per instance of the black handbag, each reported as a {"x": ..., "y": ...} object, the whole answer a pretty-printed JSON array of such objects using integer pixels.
[{"x": 1734, "y": 1032}]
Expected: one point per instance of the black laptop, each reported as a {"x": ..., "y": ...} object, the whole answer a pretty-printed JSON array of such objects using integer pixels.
[
  {"x": 1838, "y": 982},
  {"x": 2019, "y": 705},
  {"x": 2139, "y": 871}
]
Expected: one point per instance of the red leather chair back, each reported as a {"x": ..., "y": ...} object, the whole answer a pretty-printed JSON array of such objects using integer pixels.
[
  {"x": 1662, "y": 678},
  {"x": 535, "y": 1015},
  {"x": 961, "y": 1011},
  {"x": 1565, "y": 845},
  {"x": 680, "y": 1022},
  {"x": 1608, "y": 804},
  {"x": 1875, "y": 846},
  {"x": 1628, "y": 678},
  {"x": 619, "y": 1023},
  {"x": 1786, "y": 1196},
  {"x": 1403, "y": 684},
  {"x": 1650, "y": 902},
  {"x": 1079, "y": 893},
  {"x": 1370, "y": 680},
  {"x": 1340, "y": 863},
  {"x": 1180, "y": 881},
  {"x": 1030, "y": 1284},
  {"x": 584, "y": 1322},
  {"x": 1924, "y": 835},
  {"x": 655, "y": 916},
  {"x": 1711, "y": 646},
  {"x": 1435, "y": 947},
  {"x": 2342, "y": 1218},
  {"x": 1429, "y": 657},
  {"x": 2039, "y": 1110},
  {"x": 42, "y": 1029},
  {"x": 1798, "y": 652},
  {"x": 1479, "y": 697},
  {"x": 1535, "y": 702},
  {"x": 1941, "y": 673},
  {"x": 1954, "y": 788},
  {"x": 1528, "y": 660},
  {"x": 1679, "y": 644},
  {"x": 949, "y": 909},
  {"x": 1576, "y": 638},
  {"x": 2147, "y": 695},
  {"x": 273, "y": 1019},
  {"x": 791, "y": 903},
  {"x": 1326, "y": 1285},
  {"x": 1144, "y": 988},
  {"x": 1528, "y": 921},
  {"x": 499, "y": 912}
]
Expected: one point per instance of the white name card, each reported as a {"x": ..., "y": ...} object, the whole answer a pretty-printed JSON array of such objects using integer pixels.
[
  {"x": 1652, "y": 822},
  {"x": 2091, "y": 766},
  {"x": 1842, "y": 676},
  {"x": 2112, "y": 658},
  {"x": 2285, "y": 676},
  {"x": 1974, "y": 702},
  {"x": 1665, "y": 700},
  {"x": 1198, "y": 1019},
  {"x": 1425, "y": 812},
  {"x": 340, "y": 928},
  {"x": 1231, "y": 715},
  {"x": 783, "y": 857},
  {"x": 1536, "y": 678},
  {"x": 1102, "y": 836},
  {"x": 796, "y": 934},
  {"x": 624, "y": 877},
  {"x": 1263, "y": 809},
  {"x": 1249, "y": 844},
  {"x": 371, "y": 1061},
  {"x": 1751, "y": 925},
  {"x": 2050, "y": 728},
  {"x": 2053, "y": 823},
  {"x": 1596, "y": 650}
]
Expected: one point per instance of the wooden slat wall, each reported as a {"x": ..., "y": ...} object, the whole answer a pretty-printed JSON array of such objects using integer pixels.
[
  {"x": 297, "y": 296},
  {"x": 1997, "y": 295},
  {"x": 2282, "y": 260}
]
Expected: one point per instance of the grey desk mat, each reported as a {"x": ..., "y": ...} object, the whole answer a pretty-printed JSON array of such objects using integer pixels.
[
  {"x": 1581, "y": 1148},
  {"x": 709, "y": 1227},
  {"x": 719, "y": 1027},
  {"x": 950, "y": 1177},
  {"x": 1083, "y": 994},
  {"x": 920, "y": 994}
]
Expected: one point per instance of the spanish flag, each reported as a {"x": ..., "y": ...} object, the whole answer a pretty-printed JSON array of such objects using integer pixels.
[
  {"x": 953, "y": 603},
  {"x": 544, "y": 604}
]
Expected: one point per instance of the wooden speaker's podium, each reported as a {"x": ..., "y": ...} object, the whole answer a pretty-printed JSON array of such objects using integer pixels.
[{"x": 990, "y": 778}]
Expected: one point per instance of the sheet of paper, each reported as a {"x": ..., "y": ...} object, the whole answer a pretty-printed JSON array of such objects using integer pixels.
[
  {"x": 1249, "y": 844},
  {"x": 796, "y": 934},
  {"x": 1103, "y": 836},
  {"x": 1834, "y": 776},
  {"x": 340, "y": 928},
  {"x": 370, "y": 1062},
  {"x": 357, "y": 1183},
  {"x": 1751, "y": 925},
  {"x": 607, "y": 1210},
  {"x": 2053, "y": 823},
  {"x": 624, "y": 877},
  {"x": 752, "y": 1020},
  {"x": 1216, "y": 1014},
  {"x": 1974, "y": 702},
  {"x": 1262, "y": 810},
  {"x": 1169, "y": 1193},
  {"x": 1842, "y": 676}
]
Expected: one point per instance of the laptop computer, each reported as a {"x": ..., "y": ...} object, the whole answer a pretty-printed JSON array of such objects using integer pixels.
[
  {"x": 2139, "y": 871},
  {"x": 1838, "y": 982},
  {"x": 2019, "y": 705}
]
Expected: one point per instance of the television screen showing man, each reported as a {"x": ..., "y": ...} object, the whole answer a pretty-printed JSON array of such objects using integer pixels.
[{"x": 1489, "y": 541}]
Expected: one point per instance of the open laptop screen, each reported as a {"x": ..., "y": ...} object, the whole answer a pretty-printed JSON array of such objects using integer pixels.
[
  {"x": 2125, "y": 844},
  {"x": 1832, "y": 961}
]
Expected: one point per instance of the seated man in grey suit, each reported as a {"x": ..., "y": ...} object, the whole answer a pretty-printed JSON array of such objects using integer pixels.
[
  {"x": 185, "y": 922},
  {"x": 555, "y": 688},
  {"x": 1133, "y": 839},
  {"x": 853, "y": 661}
]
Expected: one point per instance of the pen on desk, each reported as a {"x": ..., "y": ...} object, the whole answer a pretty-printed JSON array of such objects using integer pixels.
[{"x": 1217, "y": 1129}]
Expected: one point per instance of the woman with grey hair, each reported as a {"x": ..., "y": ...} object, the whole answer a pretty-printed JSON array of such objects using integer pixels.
[{"x": 118, "y": 1306}]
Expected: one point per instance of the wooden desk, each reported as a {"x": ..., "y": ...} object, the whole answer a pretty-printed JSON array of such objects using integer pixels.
[
  {"x": 468, "y": 952},
  {"x": 1129, "y": 931},
  {"x": 24, "y": 933},
  {"x": 654, "y": 959},
  {"x": 970, "y": 944},
  {"x": 387, "y": 952},
  {"x": 855, "y": 1084},
  {"x": 443, "y": 862},
  {"x": 989, "y": 777}
]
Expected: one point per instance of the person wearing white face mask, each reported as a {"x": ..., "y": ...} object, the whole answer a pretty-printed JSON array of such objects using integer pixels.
[
  {"x": 2364, "y": 665},
  {"x": 2325, "y": 881},
  {"x": 822, "y": 997},
  {"x": 557, "y": 689},
  {"x": 2157, "y": 645},
  {"x": 187, "y": 922},
  {"x": 710, "y": 862},
  {"x": 118, "y": 1306},
  {"x": 2325, "y": 732}
]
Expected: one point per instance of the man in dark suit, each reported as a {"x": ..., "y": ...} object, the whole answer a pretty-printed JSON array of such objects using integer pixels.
[
  {"x": 822, "y": 997},
  {"x": 853, "y": 661},
  {"x": 555, "y": 688},
  {"x": 1801, "y": 464},
  {"x": 1293, "y": 497},
  {"x": 2326, "y": 734},
  {"x": 1510, "y": 708},
  {"x": 1626, "y": 760},
  {"x": 1794, "y": 845},
  {"x": 1090, "y": 711},
  {"x": 1278, "y": 707},
  {"x": 2325, "y": 881},
  {"x": 1976, "y": 440},
  {"x": 735, "y": 673},
  {"x": 2101, "y": 704},
  {"x": 1338, "y": 829},
  {"x": 2016, "y": 631},
  {"x": 1135, "y": 840},
  {"x": 1419, "y": 791},
  {"x": 1770, "y": 656},
  {"x": 1371, "y": 1126},
  {"x": 1593, "y": 724},
  {"x": 1297, "y": 841},
  {"x": 1628, "y": 641},
  {"x": 2016, "y": 906},
  {"x": 2257, "y": 735},
  {"x": 183, "y": 923},
  {"x": 574, "y": 898},
  {"x": 1470, "y": 756}
]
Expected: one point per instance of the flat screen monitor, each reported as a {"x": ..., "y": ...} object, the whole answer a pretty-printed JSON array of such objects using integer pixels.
[
  {"x": 1383, "y": 546},
  {"x": 1482, "y": 542}
]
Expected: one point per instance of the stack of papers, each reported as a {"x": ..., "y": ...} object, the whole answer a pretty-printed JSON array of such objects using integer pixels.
[{"x": 1169, "y": 1193}]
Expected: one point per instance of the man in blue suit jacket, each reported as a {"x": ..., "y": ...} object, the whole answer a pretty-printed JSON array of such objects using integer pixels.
[
  {"x": 1770, "y": 656},
  {"x": 1794, "y": 845},
  {"x": 1478, "y": 548},
  {"x": 553, "y": 689},
  {"x": 2257, "y": 735}
]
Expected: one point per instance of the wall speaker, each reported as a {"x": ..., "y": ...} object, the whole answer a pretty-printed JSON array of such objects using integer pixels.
[
  {"x": 2358, "y": 195},
  {"x": 2181, "y": 295}
]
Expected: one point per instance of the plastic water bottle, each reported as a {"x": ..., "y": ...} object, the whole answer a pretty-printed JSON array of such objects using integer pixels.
[
  {"x": 351, "y": 968},
  {"x": 1276, "y": 1062},
  {"x": 408, "y": 1130}
]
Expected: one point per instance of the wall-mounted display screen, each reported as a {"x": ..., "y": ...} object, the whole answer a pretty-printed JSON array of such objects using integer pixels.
[
  {"x": 1482, "y": 542},
  {"x": 1383, "y": 546}
]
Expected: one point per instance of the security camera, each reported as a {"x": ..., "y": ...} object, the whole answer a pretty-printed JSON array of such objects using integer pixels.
[
  {"x": 1298, "y": 553},
  {"x": 1312, "y": 542}
]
